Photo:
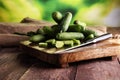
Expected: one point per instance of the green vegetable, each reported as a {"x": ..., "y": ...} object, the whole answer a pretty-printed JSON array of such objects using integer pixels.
[
  {"x": 88, "y": 32},
  {"x": 51, "y": 42},
  {"x": 79, "y": 23},
  {"x": 76, "y": 42},
  {"x": 43, "y": 44},
  {"x": 90, "y": 36},
  {"x": 59, "y": 44},
  {"x": 69, "y": 35},
  {"x": 37, "y": 38},
  {"x": 57, "y": 16},
  {"x": 68, "y": 43},
  {"x": 76, "y": 28},
  {"x": 65, "y": 22},
  {"x": 48, "y": 32},
  {"x": 55, "y": 29},
  {"x": 40, "y": 31},
  {"x": 31, "y": 33}
]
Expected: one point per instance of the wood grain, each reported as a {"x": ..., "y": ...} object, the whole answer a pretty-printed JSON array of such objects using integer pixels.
[
  {"x": 18, "y": 68},
  {"x": 115, "y": 30},
  {"x": 10, "y": 40},
  {"x": 102, "y": 49},
  {"x": 98, "y": 70},
  {"x": 15, "y": 65},
  {"x": 38, "y": 71}
]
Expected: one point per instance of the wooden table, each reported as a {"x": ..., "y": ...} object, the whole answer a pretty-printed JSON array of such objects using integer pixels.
[{"x": 15, "y": 65}]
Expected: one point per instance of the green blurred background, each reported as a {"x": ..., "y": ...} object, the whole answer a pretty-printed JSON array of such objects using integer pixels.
[{"x": 89, "y": 11}]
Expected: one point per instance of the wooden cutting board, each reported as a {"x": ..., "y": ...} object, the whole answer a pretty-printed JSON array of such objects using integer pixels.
[{"x": 107, "y": 48}]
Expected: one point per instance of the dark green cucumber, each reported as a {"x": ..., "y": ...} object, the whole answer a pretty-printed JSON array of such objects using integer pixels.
[
  {"x": 57, "y": 16},
  {"x": 65, "y": 22},
  {"x": 55, "y": 29},
  {"x": 76, "y": 28},
  {"x": 51, "y": 42},
  {"x": 40, "y": 31},
  {"x": 36, "y": 38},
  {"x": 69, "y": 35},
  {"x": 88, "y": 32},
  {"x": 79, "y": 23},
  {"x": 48, "y": 31},
  {"x": 31, "y": 33},
  {"x": 90, "y": 36}
]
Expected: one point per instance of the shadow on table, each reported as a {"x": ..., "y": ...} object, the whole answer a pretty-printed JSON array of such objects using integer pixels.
[{"x": 28, "y": 60}]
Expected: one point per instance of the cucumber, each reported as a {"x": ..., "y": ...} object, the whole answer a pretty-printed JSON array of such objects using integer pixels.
[
  {"x": 51, "y": 42},
  {"x": 59, "y": 44},
  {"x": 76, "y": 28},
  {"x": 68, "y": 43},
  {"x": 76, "y": 42},
  {"x": 88, "y": 32},
  {"x": 65, "y": 22},
  {"x": 90, "y": 36},
  {"x": 36, "y": 38},
  {"x": 57, "y": 16},
  {"x": 55, "y": 29},
  {"x": 48, "y": 31},
  {"x": 80, "y": 23},
  {"x": 40, "y": 31},
  {"x": 31, "y": 33},
  {"x": 69, "y": 35},
  {"x": 43, "y": 44}
]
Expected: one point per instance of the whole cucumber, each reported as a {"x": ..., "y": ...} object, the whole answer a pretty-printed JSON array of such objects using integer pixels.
[
  {"x": 36, "y": 38},
  {"x": 48, "y": 31},
  {"x": 90, "y": 36},
  {"x": 65, "y": 22},
  {"x": 88, "y": 32},
  {"x": 55, "y": 29},
  {"x": 57, "y": 16},
  {"x": 69, "y": 35},
  {"x": 76, "y": 28},
  {"x": 80, "y": 23}
]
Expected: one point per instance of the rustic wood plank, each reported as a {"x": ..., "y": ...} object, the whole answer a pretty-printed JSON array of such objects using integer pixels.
[
  {"x": 14, "y": 40},
  {"x": 102, "y": 49},
  {"x": 114, "y": 30},
  {"x": 43, "y": 71},
  {"x": 14, "y": 64},
  {"x": 98, "y": 70},
  {"x": 9, "y": 28},
  {"x": 6, "y": 57}
]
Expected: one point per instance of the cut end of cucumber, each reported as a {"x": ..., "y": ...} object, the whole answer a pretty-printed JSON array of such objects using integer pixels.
[
  {"x": 69, "y": 43},
  {"x": 42, "y": 44},
  {"x": 59, "y": 44}
]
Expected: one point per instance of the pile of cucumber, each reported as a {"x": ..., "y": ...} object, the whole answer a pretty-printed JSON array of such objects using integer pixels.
[{"x": 63, "y": 34}]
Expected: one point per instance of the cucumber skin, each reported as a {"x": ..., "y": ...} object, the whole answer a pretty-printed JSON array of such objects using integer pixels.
[
  {"x": 57, "y": 16},
  {"x": 88, "y": 32},
  {"x": 69, "y": 35},
  {"x": 65, "y": 22},
  {"x": 76, "y": 28},
  {"x": 36, "y": 38}
]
